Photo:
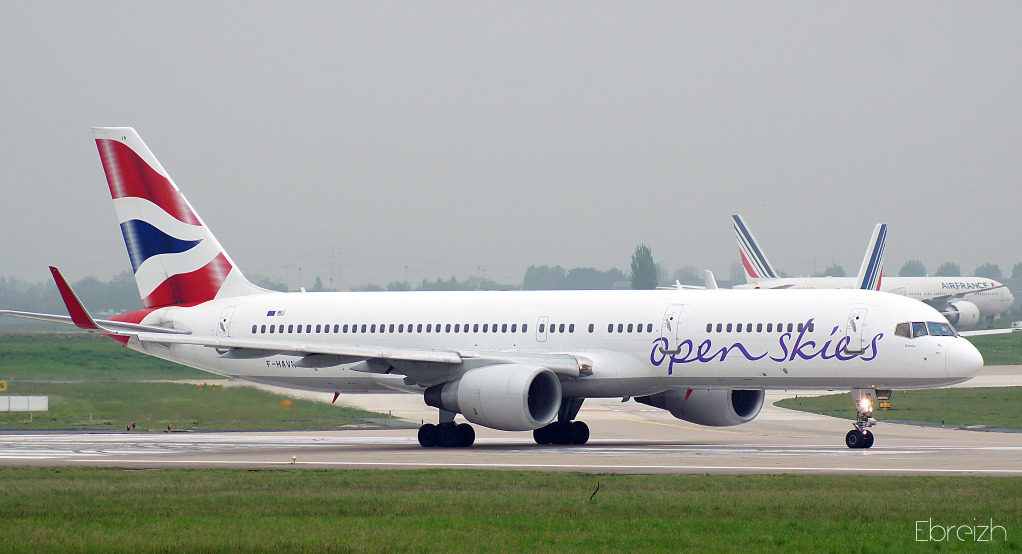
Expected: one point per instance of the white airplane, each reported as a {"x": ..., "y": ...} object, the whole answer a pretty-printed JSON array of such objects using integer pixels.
[
  {"x": 510, "y": 360},
  {"x": 965, "y": 301}
]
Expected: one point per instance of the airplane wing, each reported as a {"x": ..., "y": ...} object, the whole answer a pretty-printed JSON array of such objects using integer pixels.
[{"x": 988, "y": 332}]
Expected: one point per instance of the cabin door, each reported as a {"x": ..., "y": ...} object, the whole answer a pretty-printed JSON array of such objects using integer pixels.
[
  {"x": 670, "y": 328},
  {"x": 855, "y": 330},
  {"x": 223, "y": 325}
]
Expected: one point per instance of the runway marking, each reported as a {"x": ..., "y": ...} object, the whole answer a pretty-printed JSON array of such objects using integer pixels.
[{"x": 573, "y": 467}]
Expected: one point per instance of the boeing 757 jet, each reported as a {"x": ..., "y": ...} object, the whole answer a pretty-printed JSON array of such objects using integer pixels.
[{"x": 510, "y": 360}]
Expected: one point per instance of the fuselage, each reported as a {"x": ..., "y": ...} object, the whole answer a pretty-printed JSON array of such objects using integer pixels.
[{"x": 638, "y": 342}]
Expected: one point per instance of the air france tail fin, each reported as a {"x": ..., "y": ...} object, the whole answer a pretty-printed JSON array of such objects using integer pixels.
[
  {"x": 174, "y": 256},
  {"x": 873, "y": 264},
  {"x": 753, "y": 259}
]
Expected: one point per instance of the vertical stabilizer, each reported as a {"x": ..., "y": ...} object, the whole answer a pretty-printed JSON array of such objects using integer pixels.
[
  {"x": 175, "y": 258},
  {"x": 753, "y": 259},
  {"x": 873, "y": 264}
]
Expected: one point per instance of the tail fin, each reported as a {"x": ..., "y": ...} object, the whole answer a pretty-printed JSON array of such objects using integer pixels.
[
  {"x": 873, "y": 264},
  {"x": 755, "y": 261},
  {"x": 175, "y": 258}
]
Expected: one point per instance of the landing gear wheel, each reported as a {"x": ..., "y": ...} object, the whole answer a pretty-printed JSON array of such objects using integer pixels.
[
  {"x": 854, "y": 439},
  {"x": 562, "y": 432},
  {"x": 859, "y": 439},
  {"x": 448, "y": 435},
  {"x": 428, "y": 435},
  {"x": 466, "y": 435},
  {"x": 579, "y": 432}
]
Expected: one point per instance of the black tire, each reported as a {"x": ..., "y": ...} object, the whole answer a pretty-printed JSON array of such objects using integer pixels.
[
  {"x": 542, "y": 435},
  {"x": 579, "y": 432},
  {"x": 466, "y": 435},
  {"x": 854, "y": 439},
  {"x": 448, "y": 435},
  {"x": 869, "y": 440},
  {"x": 562, "y": 432},
  {"x": 428, "y": 435}
]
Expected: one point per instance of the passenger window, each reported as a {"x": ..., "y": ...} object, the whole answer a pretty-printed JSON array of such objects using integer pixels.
[
  {"x": 720, "y": 327},
  {"x": 363, "y": 327},
  {"x": 447, "y": 328},
  {"x": 738, "y": 328},
  {"x": 391, "y": 328},
  {"x": 591, "y": 327},
  {"x": 629, "y": 327},
  {"x": 728, "y": 328},
  {"x": 525, "y": 327},
  {"x": 429, "y": 327},
  {"x": 475, "y": 328},
  {"x": 514, "y": 327},
  {"x": 770, "y": 327},
  {"x": 759, "y": 327},
  {"x": 372, "y": 329},
  {"x": 789, "y": 327},
  {"x": 571, "y": 328},
  {"x": 560, "y": 328},
  {"x": 503, "y": 328},
  {"x": 272, "y": 328},
  {"x": 418, "y": 328},
  {"x": 541, "y": 327},
  {"x": 318, "y": 328},
  {"x": 812, "y": 327},
  {"x": 299, "y": 328},
  {"x": 620, "y": 328},
  {"x": 799, "y": 328},
  {"x": 610, "y": 327},
  {"x": 254, "y": 328}
]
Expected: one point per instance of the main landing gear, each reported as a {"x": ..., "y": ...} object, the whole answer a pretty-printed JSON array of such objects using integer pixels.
[
  {"x": 564, "y": 430},
  {"x": 447, "y": 433},
  {"x": 860, "y": 437}
]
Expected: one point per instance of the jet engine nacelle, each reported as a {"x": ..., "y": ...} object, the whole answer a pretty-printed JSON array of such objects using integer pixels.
[
  {"x": 510, "y": 397},
  {"x": 963, "y": 314},
  {"x": 716, "y": 408}
]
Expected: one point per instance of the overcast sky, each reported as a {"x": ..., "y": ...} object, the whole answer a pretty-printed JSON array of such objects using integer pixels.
[{"x": 479, "y": 138}]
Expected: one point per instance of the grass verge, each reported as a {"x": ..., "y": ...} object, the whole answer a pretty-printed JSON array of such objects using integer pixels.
[
  {"x": 152, "y": 406},
  {"x": 454, "y": 511},
  {"x": 995, "y": 406},
  {"x": 999, "y": 349},
  {"x": 82, "y": 356}
]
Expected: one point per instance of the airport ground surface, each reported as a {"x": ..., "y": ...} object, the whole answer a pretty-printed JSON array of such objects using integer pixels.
[{"x": 626, "y": 438}]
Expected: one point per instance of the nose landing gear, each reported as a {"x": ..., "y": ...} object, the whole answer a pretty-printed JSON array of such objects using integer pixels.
[{"x": 860, "y": 437}]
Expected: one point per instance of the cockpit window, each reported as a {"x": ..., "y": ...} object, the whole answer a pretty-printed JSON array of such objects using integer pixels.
[
  {"x": 918, "y": 329},
  {"x": 903, "y": 330},
  {"x": 924, "y": 328},
  {"x": 941, "y": 329}
]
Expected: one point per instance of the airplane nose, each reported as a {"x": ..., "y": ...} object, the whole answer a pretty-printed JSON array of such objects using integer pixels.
[{"x": 963, "y": 360}]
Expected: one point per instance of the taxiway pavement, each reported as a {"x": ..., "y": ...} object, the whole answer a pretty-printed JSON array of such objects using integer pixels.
[{"x": 626, "y": 437}]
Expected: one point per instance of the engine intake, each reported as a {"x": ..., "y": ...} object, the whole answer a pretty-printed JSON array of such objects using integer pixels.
[
  {"x": 716, "y": 408},
  {"x": 510, "y": 397}
]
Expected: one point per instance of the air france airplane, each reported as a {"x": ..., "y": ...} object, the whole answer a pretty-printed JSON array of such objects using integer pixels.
[
  {"x": 965, "y": 301},
  {"x": 510, "y": 360}
]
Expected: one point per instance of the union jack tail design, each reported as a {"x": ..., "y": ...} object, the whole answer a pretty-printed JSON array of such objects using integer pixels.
[
  {"x": 175, "y": 258},
  {"x": 753, "y": 259}
]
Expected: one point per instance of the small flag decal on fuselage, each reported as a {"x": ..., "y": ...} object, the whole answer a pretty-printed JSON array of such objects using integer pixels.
[{"x": 272, "y": 313}]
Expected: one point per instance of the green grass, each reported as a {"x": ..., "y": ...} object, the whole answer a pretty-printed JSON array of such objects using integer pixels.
[
  {"x": 60, "y": 509},
  {"x": 996, "y": 406},
  {"x": 1000, "y": 349},
  {"x": 152, "y": 406},
  {"x": 82, "y": 356}
]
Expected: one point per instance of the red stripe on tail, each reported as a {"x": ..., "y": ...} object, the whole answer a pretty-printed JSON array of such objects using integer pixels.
[
  {"x": 130, "y": 176},
  {"x": 198, "y": 286}
]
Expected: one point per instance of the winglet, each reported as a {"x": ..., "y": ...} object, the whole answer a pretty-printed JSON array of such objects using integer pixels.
[
  {"x": 79, "y": 315},
  {"x": 873, "y": 264},
  {"x": 753, "y": 259}
]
